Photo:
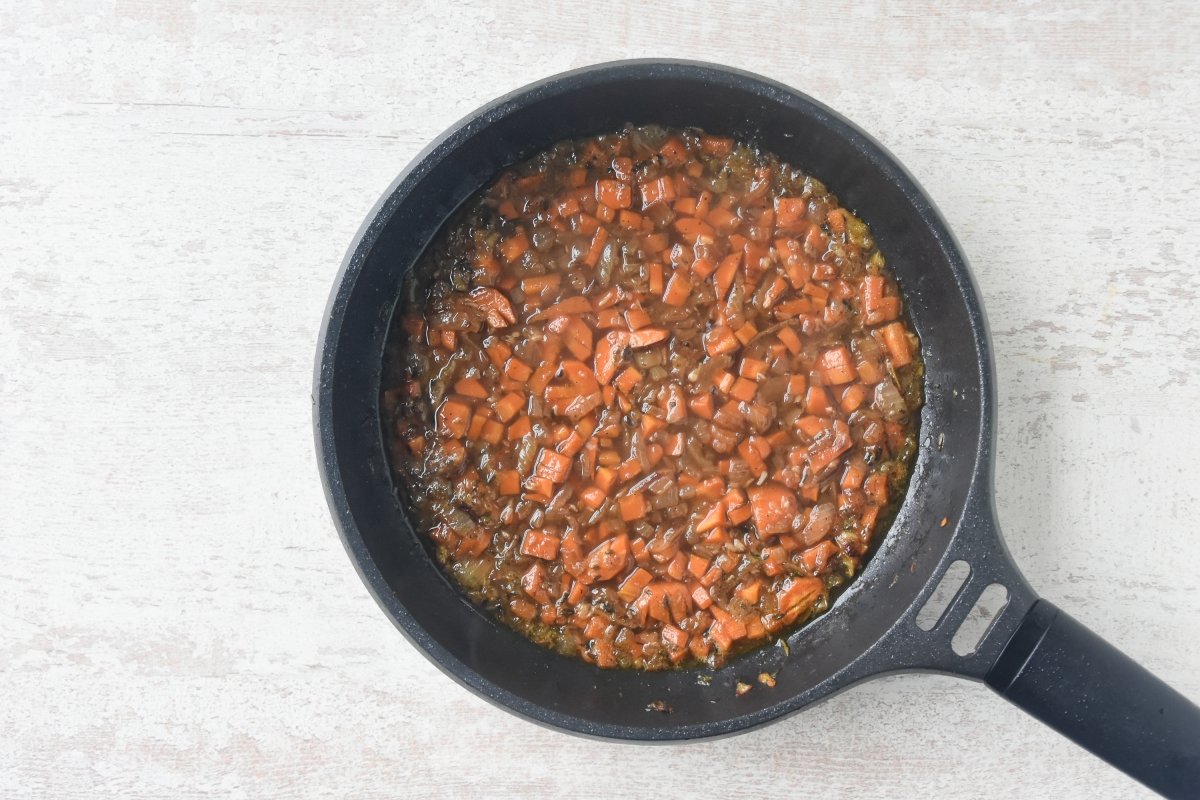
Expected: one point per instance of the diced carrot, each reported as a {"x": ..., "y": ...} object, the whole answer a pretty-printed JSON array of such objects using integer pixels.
[
  {"x": 599, "y": 239},
  {"x": 773, "y": 507},
  {"x": 854, "y": 475},
  {"x": 817, "y": 401},
  {"x": 746, "y": 333},
  {"x": 498, "y": 353},
  {"x": 578, "y": 337},
  {"x": 614, "y": 194},
  {"x": 739, "y": 515},
  {"x": 637, "y": 318},
  {"x": 715, "y": 145},
  {"x": 508, "y": 482},
  {"x": 720, "y": 340},
  {"x": 644, "y": 337},
  {"x": 817, "y": 292},
  {"x": 829, "y": 446},
  {"x": 515, "y": 246},
  {"x": 633, "y": 585},
  {"x": 587, "y": 459},
  {"x": 608, "y": 558},
  {"x": 701, "y": 597},
  {"x": 701, "y": 405},
  {"x": 577, "y": 593},
  {"x": 744, "y": 389},
  {"x": 508, "y": 406},
  {"x": 576, "y": 176},
  {"x": 725, "y": 629},
  {"x": 593, "y": 497},
  {"x": 752, "y": 368},
  {"x": 552, "y": 465},
  {"x": 692, "y": 230},
  {"x": 471, "y": 387},
  {"x": 655, "y": 279},
  {"x": 540, "y": 544},
  {"x": 797, "y": 385},
  {"x": 622, "y": 167},
  {"x": 609, "y": 353},
  {"x": 577, "y": 407},
  {"x": 790, "y": 212},
  {"x": 522, "y": 608},
  {"x": 816, "y": 559},
  {"x": 674, "y": 637},
  {"x": 723, "y": 219},
  {"x": 572, "y": 443},
  {"x": 836, "y": 218},
  {"x": 567, "y": 207},
  {"x": 536, "y": 284},
  {"x": 538, "y": 488},
  {"x": 640, "y": 552},
  {"x": 630, "y": 219},
  {"x": 517, "y": 369},
  {"x": 564, "y": 308},
  {"x": 870, "y": 517},
  {"x": 492, "y": 433},
  {"x": 657, "y": 190},
  {"x": 632, "y": 507},
  {"x": 895, "y": 339},
  {"x": 586, "y": 224},
  {"x": 711, "y": 489},
  {"x": 678, "y": 289},
  {"x": 541, "y": 377},
  {"x": 702, "y": 268},
  {"x": 673, "y": 151},
  {"x": 605, "y": 213},
  {"x": 853, "y": 397},
  {"x": 837, "y": 365},
  {"x": 799, "y": 594},
  {"x": 478, "y": 420},
  {"x": 876, "y": 489},
  {"x": 606, "y": 478},
  {"x": 750, "y": 591},
  {"x": 609, "y": 318},
  {"x": 651, "y": 424},
  {"x": 725, "y": 274},
  {"x": 534, "y": 580},
  {"x": 628, "y": 379},
  {"x": 453, "y": 418},
  {"x": 713, "y": 518}
]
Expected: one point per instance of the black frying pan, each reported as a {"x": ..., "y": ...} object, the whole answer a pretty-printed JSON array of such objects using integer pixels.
[{"x": 1033, "y": 654}]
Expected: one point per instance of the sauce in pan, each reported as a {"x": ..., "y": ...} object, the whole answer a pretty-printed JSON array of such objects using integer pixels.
[{"x": 651, "y": 395}]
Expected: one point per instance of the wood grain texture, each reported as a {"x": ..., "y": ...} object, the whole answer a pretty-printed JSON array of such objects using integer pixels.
[{"x": 179, "y": 183}]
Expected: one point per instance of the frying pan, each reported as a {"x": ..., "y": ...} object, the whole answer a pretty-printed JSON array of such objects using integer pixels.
[{"x": 1033, "y": 654}]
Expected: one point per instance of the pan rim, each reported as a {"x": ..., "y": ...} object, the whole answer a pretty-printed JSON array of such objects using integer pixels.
[{"x": 365, "y": 239}]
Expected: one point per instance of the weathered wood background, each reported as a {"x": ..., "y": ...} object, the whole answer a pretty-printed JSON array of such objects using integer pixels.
[{"x": 178, "y": 183}]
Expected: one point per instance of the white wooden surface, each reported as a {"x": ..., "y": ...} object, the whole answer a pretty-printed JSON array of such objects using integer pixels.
[{"x": 178, "y": 183}]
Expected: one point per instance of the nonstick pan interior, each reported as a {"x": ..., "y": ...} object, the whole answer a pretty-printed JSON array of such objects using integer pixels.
[{"x": 951, "y": 480}]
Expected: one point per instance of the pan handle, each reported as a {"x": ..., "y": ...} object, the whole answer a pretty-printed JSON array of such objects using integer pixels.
[{"x": 1056, "y": 669}]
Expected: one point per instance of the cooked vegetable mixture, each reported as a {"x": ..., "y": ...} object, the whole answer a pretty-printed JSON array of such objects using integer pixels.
[{"x": 651, "y": 395}]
